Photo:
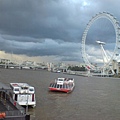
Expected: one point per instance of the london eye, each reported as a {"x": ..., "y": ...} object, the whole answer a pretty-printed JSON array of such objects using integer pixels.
[{"x": 106, "y": 59}]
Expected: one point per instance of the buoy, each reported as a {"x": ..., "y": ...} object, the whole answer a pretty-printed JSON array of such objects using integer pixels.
[{"x": 2, "y": 115}]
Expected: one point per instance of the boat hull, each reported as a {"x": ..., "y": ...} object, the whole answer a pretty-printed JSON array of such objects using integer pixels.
[
  {"x": 65, "y": 85},
  {"x": 60, "y": 90}
]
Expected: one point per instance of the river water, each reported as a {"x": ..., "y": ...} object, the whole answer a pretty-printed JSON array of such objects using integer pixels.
[{"x": 93, "y": 98}]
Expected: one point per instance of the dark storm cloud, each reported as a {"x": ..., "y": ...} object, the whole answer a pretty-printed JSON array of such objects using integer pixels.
[
  {"x": 49, "y": 27},
  {"x": 36, "y": 19}
]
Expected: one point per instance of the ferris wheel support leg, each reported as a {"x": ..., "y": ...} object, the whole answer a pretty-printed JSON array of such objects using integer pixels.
[
  {"x": 107, "y": 60},
  {"x": 103, "y": 53}
]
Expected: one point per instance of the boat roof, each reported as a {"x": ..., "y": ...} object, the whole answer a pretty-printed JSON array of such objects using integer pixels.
[
  {"x": 65, "y": 78},
  {"x": 20, "y": 85},
  {"x": 60, "y": 78}
]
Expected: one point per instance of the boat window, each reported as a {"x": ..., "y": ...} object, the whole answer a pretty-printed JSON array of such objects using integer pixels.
[
  {"x": 24, "y": 88},
  {"x": 16, "y": 97},
  {"x": 55, "y": 85},
  {"x": 67, "y": 86},
  {"x": 33, "y": 97},
  {"x": 16, "y": 89},
  {"x": 60, "y": 79},
  {"x": 52, "y": 84},
  {"x": 31, "y": 89},
  {"x": 58, "y": 86},
  {"x": 63, "y": 85}
]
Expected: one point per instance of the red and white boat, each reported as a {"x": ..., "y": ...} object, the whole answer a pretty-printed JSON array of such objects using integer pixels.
[{"x": 62, "y": 85}]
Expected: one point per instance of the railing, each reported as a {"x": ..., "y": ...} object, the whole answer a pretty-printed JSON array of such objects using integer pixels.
[{"x": 13, "y": 108}]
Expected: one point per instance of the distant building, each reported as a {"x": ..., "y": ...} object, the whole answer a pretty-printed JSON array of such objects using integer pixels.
[{"x": 4, "y": 61}]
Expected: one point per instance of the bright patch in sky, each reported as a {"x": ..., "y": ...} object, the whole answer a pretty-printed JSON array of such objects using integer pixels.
[{"x": 85, "y": 3}]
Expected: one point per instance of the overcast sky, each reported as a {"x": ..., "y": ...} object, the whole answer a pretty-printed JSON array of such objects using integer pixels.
[{"x": 51, "y": 30}]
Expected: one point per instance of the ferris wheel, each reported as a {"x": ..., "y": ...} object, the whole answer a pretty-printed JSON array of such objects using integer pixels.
[{"x": 115, "y": 53}]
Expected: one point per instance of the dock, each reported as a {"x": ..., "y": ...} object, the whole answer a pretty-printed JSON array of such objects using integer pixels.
[{"x": 9, "y": 109}]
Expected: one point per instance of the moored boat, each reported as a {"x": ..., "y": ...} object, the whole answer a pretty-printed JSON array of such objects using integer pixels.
[
  {"x": 9, "y": 110},
  {"x": 62, "y": 85},
  {"x": 23, "y": 94}
]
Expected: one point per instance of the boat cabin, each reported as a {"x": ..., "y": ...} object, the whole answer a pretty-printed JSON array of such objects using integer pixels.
[{"x": 23, "y": 94}]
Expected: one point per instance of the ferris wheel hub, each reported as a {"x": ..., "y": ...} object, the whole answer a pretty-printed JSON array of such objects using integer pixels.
[{"x": 101, "y": 43}]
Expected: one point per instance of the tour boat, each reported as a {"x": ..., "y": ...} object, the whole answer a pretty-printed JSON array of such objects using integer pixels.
[
  {"x": 23, "y": 94},
  {"x": 62, "y": 85}
]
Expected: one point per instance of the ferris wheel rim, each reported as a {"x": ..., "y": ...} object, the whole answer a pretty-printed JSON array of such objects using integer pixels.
[{"x": 115, "y": 24}]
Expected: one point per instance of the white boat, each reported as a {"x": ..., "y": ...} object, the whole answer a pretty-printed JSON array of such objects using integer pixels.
[
  {"x": 62, "y": 85},
  {"x": 23, "y": 94}
]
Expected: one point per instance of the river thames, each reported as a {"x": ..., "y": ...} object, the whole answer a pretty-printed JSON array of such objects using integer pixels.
[{"x": 94, "y": 98}]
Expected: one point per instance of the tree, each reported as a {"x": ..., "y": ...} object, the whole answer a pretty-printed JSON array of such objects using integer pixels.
[{"x": 77, "y": 68}]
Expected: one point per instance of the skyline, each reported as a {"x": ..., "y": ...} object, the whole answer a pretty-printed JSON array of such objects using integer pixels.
[{"x": 51, "y": 30}]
